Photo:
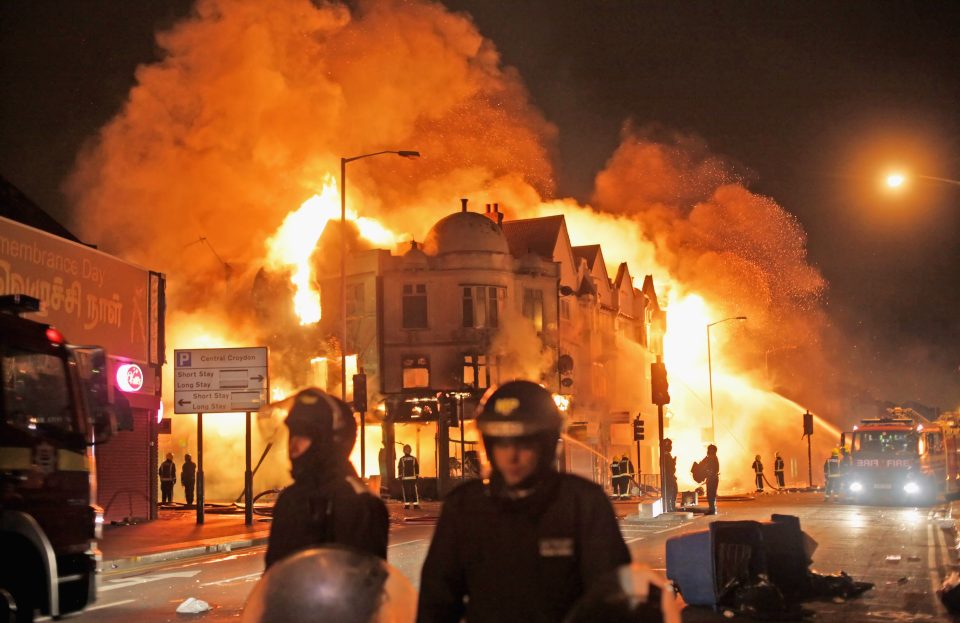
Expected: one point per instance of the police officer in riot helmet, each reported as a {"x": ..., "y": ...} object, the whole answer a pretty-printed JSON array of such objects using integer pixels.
[
  {"x": 331, "y": 584},
  {"x": 327, "y": 503},
  {"x": 527, "y": 542}
]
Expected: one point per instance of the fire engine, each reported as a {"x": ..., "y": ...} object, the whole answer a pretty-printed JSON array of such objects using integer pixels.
[
  {"x": 902, "y": 458},
  {"x": 54, "y": 406}
]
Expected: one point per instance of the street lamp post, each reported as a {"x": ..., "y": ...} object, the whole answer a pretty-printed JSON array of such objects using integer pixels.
[
  {"x": 343, "y": 257},
  {"x": 343, "y": 290},
  {"x": 713, "y": 426}
]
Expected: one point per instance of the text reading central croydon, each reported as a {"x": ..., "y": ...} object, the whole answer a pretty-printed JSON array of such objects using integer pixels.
[{"x": 228, "y": 357}]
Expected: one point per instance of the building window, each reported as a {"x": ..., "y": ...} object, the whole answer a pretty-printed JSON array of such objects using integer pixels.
[
  {"x": 476, "y": 373},
  {"x": 482, "y": 306},
  {"x": 416, "y": 371},
  {"x": 355, "y": 299},
  {"x": 599, "y": 380},
  {"x": 415, "y": 306},
  {"x": 533, "y": 307},
  {"x": 565, "y": 309}
]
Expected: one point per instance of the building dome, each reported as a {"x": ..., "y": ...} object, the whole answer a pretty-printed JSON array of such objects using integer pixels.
[
  {"x": 414, "y": 258},
  {"x": 465, "y": 232}
]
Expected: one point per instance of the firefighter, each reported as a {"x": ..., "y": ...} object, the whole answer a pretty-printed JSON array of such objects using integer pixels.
[
  {"x": 615, "y": 477},
  {"x": 758, "y": 473},
  {"x": 831, "y": 476},
  {"x": 526, "y": 543},
  {"x": 778, "y": 469},
  {"x": 408, "y": 471},
  {"x": 710, "y": 465},
  {"x": 188, "y": 477},
  {"x": 626, "y": 476},
  {"x": 327, "y": 503},
  {"x": 670, "y": 476},
  {"x": 168, "y": 478}
]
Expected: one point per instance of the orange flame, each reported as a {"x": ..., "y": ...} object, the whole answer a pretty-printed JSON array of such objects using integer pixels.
[{"x": 294, "y": 242}]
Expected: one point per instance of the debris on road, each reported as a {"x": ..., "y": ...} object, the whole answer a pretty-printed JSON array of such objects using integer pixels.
[
  {"x": 192, "y": 605},
  {"x": 893, "y": 558}
]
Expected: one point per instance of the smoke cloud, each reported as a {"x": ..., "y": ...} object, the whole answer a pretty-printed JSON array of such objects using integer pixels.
[{"x": 251, "y": 106}]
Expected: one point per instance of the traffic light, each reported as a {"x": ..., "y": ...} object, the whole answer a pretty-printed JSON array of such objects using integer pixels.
[
  {"x": 360, "y": 393},
  {"x": 807, "y": 423},
  {"x": 448, "y": 409},
  {"x": 659, "y": 388},
  {"x": 638, "y": 430}
]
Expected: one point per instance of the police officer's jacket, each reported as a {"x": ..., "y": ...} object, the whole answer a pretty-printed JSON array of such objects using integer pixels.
[
  {"x": 188, "y": 472},
  {"x": 332, "y": 509},
  {"x": 524, "y": 559}
]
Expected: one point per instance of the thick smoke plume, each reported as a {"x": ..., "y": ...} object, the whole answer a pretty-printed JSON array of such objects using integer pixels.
[{"x": 252, "y": 105}]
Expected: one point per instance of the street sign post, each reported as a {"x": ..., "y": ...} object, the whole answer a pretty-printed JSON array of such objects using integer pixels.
[{"x": 221, "y": 380}]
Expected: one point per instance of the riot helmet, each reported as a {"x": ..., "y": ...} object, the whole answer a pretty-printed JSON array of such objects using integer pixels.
[
  {"x": 329, "y": 425},
  {"x": 521, "y": 411},
  {"x": 325, "y": 420},
  {"x": 331, "y": 584}
]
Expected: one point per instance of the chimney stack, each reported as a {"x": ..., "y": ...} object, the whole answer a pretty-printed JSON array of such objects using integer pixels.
[
  {"x": 496, "y": 210},
  {"x": 463, "y": 204}
]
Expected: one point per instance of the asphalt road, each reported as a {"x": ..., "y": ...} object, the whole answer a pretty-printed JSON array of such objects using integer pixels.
[{"x": 856, "y": 539}]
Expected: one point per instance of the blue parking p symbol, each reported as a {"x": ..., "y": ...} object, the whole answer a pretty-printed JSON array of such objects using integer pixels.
[{"x": 183, "y": 359}]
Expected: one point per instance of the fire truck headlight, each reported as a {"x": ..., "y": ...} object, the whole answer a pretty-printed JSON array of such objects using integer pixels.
[
  {"x": 856, "y": 487},
  {"x": 911, "y": 487}
]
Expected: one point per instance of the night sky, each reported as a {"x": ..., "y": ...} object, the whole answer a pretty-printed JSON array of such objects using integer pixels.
[{"x": 812, "y": 101}]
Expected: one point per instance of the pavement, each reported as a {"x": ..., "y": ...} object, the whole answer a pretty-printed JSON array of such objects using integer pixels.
[{"x": 175, "y": 534}]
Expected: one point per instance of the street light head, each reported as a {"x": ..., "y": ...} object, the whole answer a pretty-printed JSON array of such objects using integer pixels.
[
  {"x": 741, "y": 318},
  {"x": 404, "y": 153},
  {"x": 896, "y": 180}
]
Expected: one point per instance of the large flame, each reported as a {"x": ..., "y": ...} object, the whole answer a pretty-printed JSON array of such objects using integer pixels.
[{"x": 291, "y": 247}]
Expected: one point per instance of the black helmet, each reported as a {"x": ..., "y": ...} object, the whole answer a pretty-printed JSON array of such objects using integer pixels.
[
  {"x": 519, "y": 409},
  {"x": 324, "y": 419},
  {"x": 331, "y": 584}
]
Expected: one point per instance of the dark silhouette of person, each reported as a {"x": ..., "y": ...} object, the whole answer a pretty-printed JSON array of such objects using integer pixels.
[
  {"x": 669, "y": 476},
  {"x": 778, "y": 469},
  {"x": 168, "y": 478},
  {"x": 711, "y": 468},
  {"x": 526, "y": 543},
  {"x": 758, "y": 473},
  {"x": 327, "y": 504},
  {"x": 408, "y": 470},
  {"x": 188, "y": 477}
]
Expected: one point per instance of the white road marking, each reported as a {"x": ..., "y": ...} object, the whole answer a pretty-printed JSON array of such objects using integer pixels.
[
  {"x": 143, "y": 579},
  {"x": 239, "y": 578},
  {"x": 636, "y": 538},
  {"x": 406, "y": 543},
  {"x": 110, "y": 605}
]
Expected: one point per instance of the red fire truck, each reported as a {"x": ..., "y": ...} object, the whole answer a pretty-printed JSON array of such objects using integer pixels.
[
  {"x": 54, "y": 407},
  {"x": 902, "y": 458}
]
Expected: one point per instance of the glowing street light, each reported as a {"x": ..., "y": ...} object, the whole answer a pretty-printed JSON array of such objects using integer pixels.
[
  {"x": 897, "y": 180},
  {"x": 713, "y": 426},
  {"x": 403, "y": 153}
]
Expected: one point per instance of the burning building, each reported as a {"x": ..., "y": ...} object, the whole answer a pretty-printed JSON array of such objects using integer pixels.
[{"x": 479, "y": 302}]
